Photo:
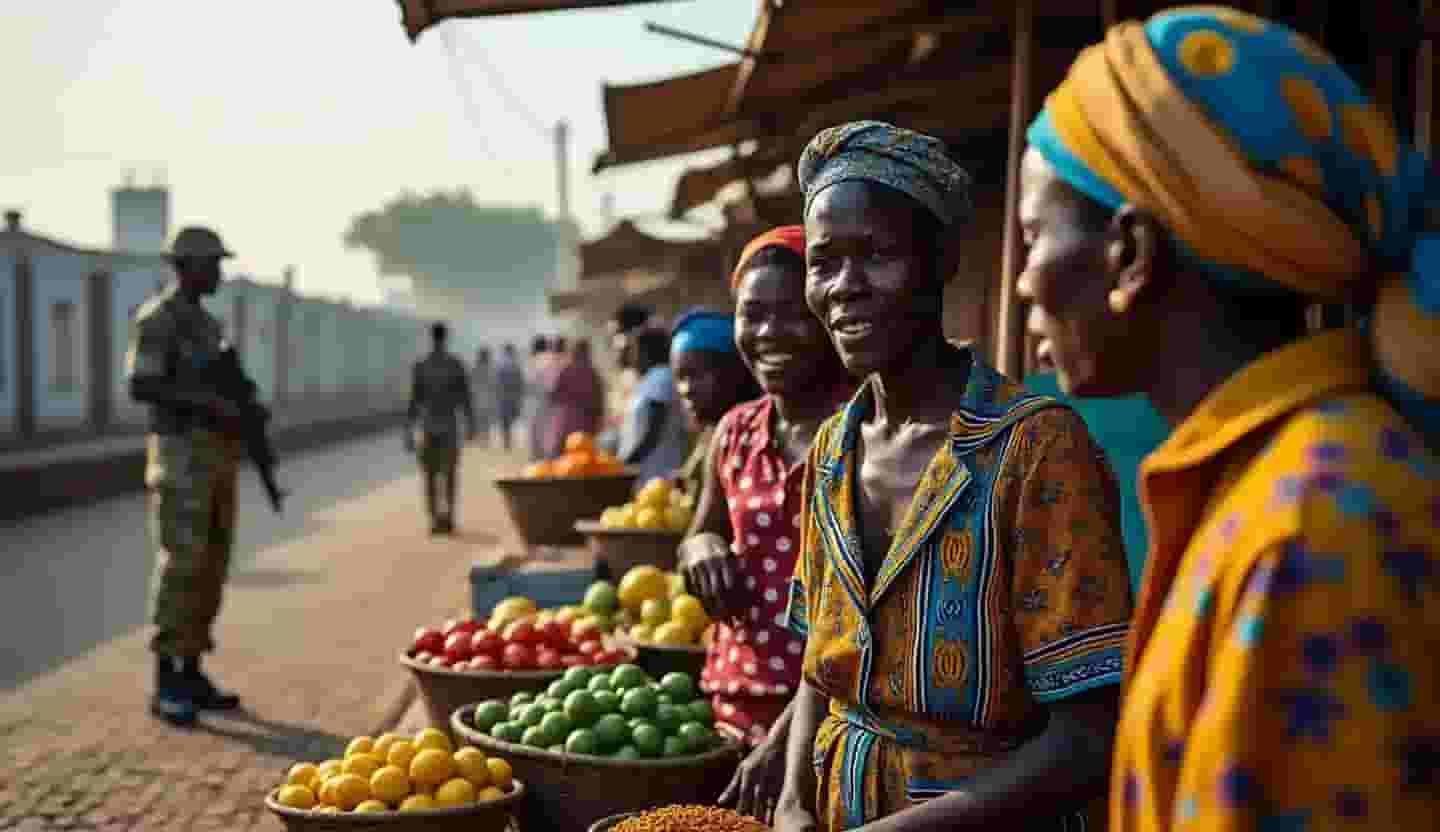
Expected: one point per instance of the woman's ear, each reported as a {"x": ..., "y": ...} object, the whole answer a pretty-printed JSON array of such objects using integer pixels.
[{"x": 1135, "y": 257}]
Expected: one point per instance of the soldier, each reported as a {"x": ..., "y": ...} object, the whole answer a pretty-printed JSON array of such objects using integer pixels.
[
  {"x": 192, "y": 456},
  {"x": 440, "y": 387}
]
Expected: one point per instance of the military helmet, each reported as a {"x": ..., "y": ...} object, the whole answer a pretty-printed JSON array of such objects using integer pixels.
[{"x": 198, "y": 241}]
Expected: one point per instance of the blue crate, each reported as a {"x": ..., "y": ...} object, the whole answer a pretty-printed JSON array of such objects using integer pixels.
[{"x": 489, "y": 587}]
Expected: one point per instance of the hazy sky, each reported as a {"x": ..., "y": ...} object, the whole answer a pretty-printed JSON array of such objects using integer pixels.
[{"x": 277, "y": 120}]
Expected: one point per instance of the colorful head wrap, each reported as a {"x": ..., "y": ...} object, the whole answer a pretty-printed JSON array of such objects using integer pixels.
[
  {"x": 791, "y": 237},
  {"x": 702, "y": 329},
  {"x": 873, "y": 151},
  {"x": 1270, "y": 166}
]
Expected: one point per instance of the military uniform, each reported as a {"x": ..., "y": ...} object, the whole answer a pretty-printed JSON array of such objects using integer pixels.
[
  {"x": 190, "y": 471},
  {"x": 440, "y": 391}
]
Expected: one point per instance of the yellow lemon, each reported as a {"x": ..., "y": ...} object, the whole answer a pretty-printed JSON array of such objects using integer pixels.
[
  {"x": 431, "y": 767},
  {"x": 350, "y": 790},
  {"x": 500, "y": 773},
  {"x": 640, "y": 584},
  {"x": 455, "y": 792},
  {"x": 363, "y": 764},
  {"x": 390, "y": 784},
  {"x": 359, "y": 745},
  {"x": 676, "y": 584},
  {"x": 609, "y": 518},
  {"x": 510, "y": 609},
  {"x": 371, "y": 807},
  {"x": 649, "y": 518},
  {"x": 654, "y": 611},
  {"x": 489, "y": 794},
  {"x": 433, "y": 738},
  {"x": 688, "y": 610},
  {"x": 302, "y": 774},
  {"x": 643, "y": 632},
  {"x": 470, "y": 764},
  {"x": 296, "y": 797},
  {"x": 673, "y": 632},
  {"x": 383, "y": 743},
  {"x": 328, "y": 810},
  {"x": 625, "y": 517},
  {"x": 401, "y": 753},
  {"x": 329, "y": 769},
  {"x": 677, "y": 518},
  {"x": 417, "y": 803},
  {"x": 655, "y": 494}
]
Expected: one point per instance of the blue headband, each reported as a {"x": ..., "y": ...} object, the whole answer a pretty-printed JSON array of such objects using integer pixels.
[{"x": 702, "y": 330}]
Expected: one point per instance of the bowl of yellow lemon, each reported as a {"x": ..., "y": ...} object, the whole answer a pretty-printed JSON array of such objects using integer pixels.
[
  {"x": 403, "y": 784},
  {"x": 645, "y": 531},
  {"x": 667, "y": 627}
]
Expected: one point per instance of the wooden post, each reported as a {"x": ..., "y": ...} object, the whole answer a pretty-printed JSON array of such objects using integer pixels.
[
  {"x": 1010, "y": 334},
  {"x": 1109, "y": 13},
  {"x": 1425, "y": 87}
]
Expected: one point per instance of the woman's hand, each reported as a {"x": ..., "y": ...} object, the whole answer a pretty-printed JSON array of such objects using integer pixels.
[
  {"x": 791, "y": 816},
  {"x": 758, "y": 780},
  {"x": 710, "y": 572}
]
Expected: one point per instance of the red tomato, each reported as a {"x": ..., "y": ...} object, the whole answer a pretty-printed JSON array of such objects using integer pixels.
[
  {"x": 611, "y": 656},
  {"x": 457, "y": 647},
  {"x": 468, "y": 625},
  {"x": 519, "y": 657},
  {"x": 424, "y": 656},
  {"x": 429, "y": 640},
  {"x": 484, "y": 661},
  {"x": 574, "y": 660},
  {"x": 439, "y": 661},
  {"x": 547, "y": 659},
  {"x": 582, "y": 631},
  {"x": 590, "y": 647},
  {"x": 521, "y": 632},
  {"x": 557, "y": 634},
  {"x": 484, "y": 642}
]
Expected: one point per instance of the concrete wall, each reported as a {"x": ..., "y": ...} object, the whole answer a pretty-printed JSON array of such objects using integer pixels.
[
  {"x": 60, "y": 309},
  {"x": 9, "y": 340}
]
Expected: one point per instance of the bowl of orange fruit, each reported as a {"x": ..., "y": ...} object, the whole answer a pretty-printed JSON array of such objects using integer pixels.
[
  {"x": 550, "y": 495},
  {"x": 645, "y": 530}
]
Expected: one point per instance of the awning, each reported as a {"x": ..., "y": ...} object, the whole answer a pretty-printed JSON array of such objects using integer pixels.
[
  {"x": 627, "y": 249},
  {"x": 419, "y": 15},
  {"x": 700, "y": 185},
  {"x": 670, "y": 117}
]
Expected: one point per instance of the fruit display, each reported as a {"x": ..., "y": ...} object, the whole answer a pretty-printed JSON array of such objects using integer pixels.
[
  {"x": 394, "y": 773},
  {"x": 689, "y": 819},
  {"x": 518, "y": 636},
  {"x": 655, "y": 609},
  {"x": 621, "y": 713},
  {"x": 580, "y": 459},
  {"x": 658, "y": 506}
]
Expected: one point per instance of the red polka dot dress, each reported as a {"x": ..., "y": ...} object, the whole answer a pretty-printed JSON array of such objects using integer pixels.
[{"x": 753, "y": 664}]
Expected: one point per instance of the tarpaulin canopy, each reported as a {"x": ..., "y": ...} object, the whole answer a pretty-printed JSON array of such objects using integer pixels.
[
  {"x": 670, "y": 117},
  {"x": 419, "y": 15},
  {"x": 626, "y": 248}
]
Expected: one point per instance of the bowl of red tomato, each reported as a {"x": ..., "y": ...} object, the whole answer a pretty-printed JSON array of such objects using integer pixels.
[{"x": 466, "y": 661}]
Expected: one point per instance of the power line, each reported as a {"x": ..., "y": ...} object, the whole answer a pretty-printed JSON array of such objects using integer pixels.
[
  {"x": 468, "y": 102},
  {"x": 498, "y": 85}
]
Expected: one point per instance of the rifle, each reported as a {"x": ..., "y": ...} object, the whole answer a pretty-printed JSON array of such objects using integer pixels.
[{"x": 233, "y": 384}]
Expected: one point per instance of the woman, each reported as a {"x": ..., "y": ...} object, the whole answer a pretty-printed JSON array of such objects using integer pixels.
[
  {"x": 742, "y": 547},
  {"x": 710, "y": 378},
  {"x": 537, "y": 381},
  {"x": 1192, "y": 179},
  {"x": 961, "y": 581},
  {"x": 575, "y": 400},
  {"x": 653, "y": 439}
]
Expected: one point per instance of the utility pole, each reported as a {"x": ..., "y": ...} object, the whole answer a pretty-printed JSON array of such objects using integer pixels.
[
  {"x": 562, "y": 169},
  {"x": 566, "y": 260}
]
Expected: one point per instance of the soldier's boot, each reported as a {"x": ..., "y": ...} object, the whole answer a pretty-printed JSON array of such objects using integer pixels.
[
  {"x": 203, "y": 693},
  {"x": 171, "y": 701}
]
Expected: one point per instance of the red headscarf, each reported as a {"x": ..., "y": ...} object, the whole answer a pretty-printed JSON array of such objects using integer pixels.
[{"x": 791, "y": 237}]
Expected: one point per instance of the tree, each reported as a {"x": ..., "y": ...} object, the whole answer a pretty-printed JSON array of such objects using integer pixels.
[{"x": 494, "y": 259}]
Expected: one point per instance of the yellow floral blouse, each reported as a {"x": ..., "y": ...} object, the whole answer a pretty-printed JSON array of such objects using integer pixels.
[
  {"x": 1005, "y": 589},
  {"x": 1285, "y": 657}
]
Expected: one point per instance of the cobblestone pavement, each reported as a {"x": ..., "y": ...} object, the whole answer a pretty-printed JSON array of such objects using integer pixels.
[{"x": 313, "y": 652}]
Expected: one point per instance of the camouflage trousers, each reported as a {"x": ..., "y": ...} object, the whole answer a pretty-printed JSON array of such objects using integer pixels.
[{"x": 191, "y": 479}]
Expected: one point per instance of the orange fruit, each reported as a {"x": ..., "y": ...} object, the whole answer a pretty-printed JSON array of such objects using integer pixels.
[
  {"x": 489, "y": 794},
  {"x": 431, "y": 767},
  {"x": 350, "y": 790},
  {"x": 455, "y": 792},
  {"x": 568, "y": 466},
  {"x": 539, "y": 470},
  {"x": 579, "y": 441},
  {"x": 296, "y": 797},
  {"x": 500, "y": 773},
  {"x": 359, "y": 745}
]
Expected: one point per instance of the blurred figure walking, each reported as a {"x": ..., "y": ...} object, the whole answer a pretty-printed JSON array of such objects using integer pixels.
[
  {"x": 575, "y": 399},
  {"x": 439, "y": 390},
  {"x": 482, "y": 392},
  {"x": 509, "y": 393}
]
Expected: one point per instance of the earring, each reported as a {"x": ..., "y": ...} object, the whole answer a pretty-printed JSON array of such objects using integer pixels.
[{"x": 1117, "y": 301}]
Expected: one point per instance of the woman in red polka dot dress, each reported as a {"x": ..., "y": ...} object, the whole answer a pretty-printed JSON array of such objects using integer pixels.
[{"x": 740, "y": 554}]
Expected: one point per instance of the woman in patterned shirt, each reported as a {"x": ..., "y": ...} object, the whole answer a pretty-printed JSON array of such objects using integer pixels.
[{"x": 742, "y": 550}]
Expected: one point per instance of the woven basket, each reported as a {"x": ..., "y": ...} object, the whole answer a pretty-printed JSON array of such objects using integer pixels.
[
  {"x": 544, "y": 511},
  {"x": 497, "y": 816},
  {"x": 621, "y": 549},
  {"x": 568, "y": 792},
  {"x": 659, "y": 659},
  {"x": 444, "y": 690}
]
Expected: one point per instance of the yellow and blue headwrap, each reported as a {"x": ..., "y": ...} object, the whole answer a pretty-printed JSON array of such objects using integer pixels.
[
  {"x": 1272, "y": 168},
  {"x": 701, "y": 329}
]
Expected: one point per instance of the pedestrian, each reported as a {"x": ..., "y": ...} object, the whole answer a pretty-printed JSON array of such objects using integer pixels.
[
  {"x": 740, "y": 552},
  {"x": 509, "y": 394},
  {"x": 654, "y": 439},
  {"x": 710, "y": 378},
  {"x": 192, "y": 456},
  {"x": 439, "y": 393},
  {"x": 482, "y": 390},
  {"x": 1191, "y": 186},
  {"x": 961, "y": 581},
  {"x": 575, "y": 400},
  {"x": 537, "y": 381}
]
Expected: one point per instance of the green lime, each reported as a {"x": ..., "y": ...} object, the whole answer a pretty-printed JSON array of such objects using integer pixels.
[
  {"x": 701, "y": 712},
  {"x": 601, "y": 597},
  {"x": 599, "y": 682},
  {"x": 557, "y": 748},
  {"x": 648, "y": 739},
  {"x": 670, "y": 717},
  {"x": 578, "y": 676},
  {"x": 522, "y": 697},
  {"x": 551, "y": 703},
  {"x": 679, "y": 685},
  {"x": 638, "y": 702},
  {"x": 557, "y": 725},
  {"x": 696, "y": 735},
  {"x": 627, "y": 677},
  {"x": 626, "y": 752},
  {"x": 488, "y": 714},
  {"x": 611, "y": 731},
  {"x": 535, "y": 736},
  {"x": 675, "y": 747},
  {"x": 581, "y": 708},
  {"x": 664, "y": 698},
  {"x": 502, "y": 731},
  {"x": 582, "y": 741},
  {"x": 607, "y": 701},
  {"x": 560, "y": 688},
  {"x": 532, "y": 714}
]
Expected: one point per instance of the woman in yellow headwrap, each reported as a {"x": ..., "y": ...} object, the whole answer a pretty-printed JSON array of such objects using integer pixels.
[{"x": 1192, "y": 183}]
